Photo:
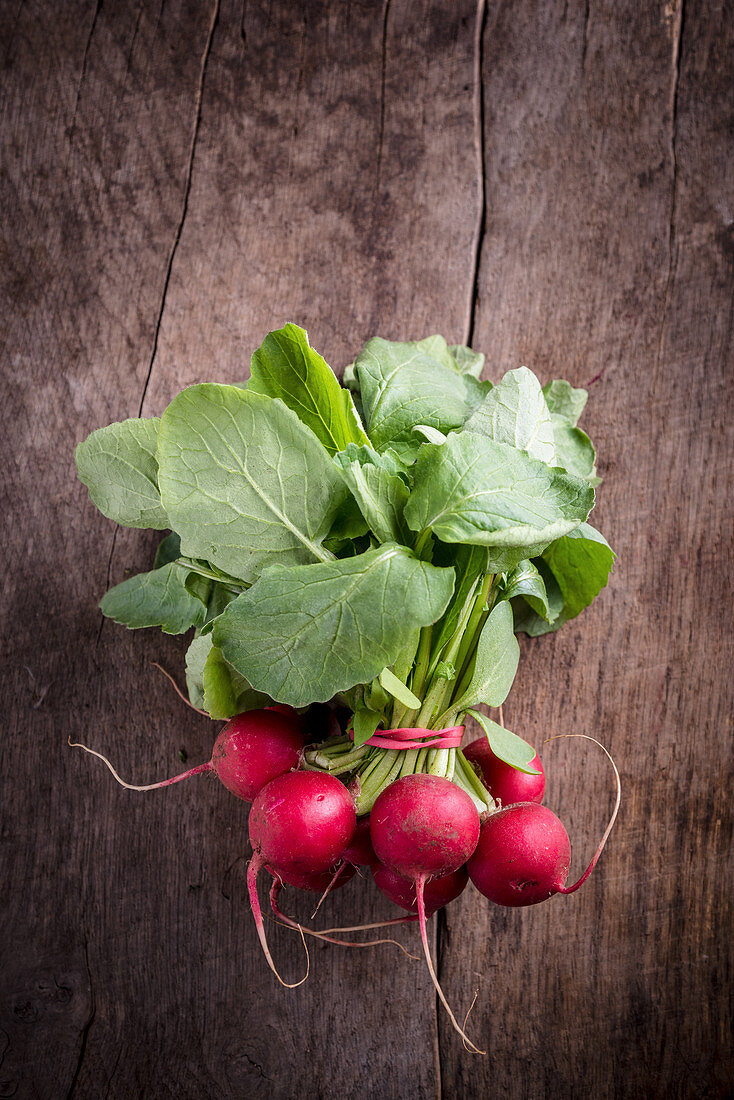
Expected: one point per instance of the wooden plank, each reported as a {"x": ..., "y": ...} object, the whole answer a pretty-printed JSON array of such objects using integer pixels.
[
  {"x": 189, "y": 176},
  {"x": 608, "y": 257}
]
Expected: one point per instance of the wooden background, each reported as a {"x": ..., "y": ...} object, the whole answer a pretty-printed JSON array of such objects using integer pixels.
[{"x": 551, "y": 181}]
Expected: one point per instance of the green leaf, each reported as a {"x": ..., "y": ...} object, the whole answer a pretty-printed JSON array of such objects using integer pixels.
[
  {"x": 578, "y": 567},
  {"x": 402, "y": 386},
  {"x": 581, "y": 563},
  {"x": 574, "y": 450},
  {"x": 399, "y": 690},
  {"x": 526, "y": 580},
  {"x": 196, "y": 656},
  {"x": 437, "y": 348},
  {"x": 496, "y": 662},
  {"x": 364, "y": 724},
  {"x": 379, "y": 494},
  {"x": 466, "y": 360},
  {"x": 169, "y": 549},
  {"x": 226, "y": 692},
  {"x": 286, "y": 366},
  {"x": 159, "y": 598},
  {"x": 303, "y": 634},
  {"x": 565, "y": 401},
  {"x": 245, "y": 483},
  {"x": 118, "y": 466},
  {"x": 473, "y": 490},
  {"x": 507, "y": 746},
  {"x": 515, "y": 412}
]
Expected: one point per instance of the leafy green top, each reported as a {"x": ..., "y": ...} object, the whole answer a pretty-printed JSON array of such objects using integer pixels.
[{"x": 381, "y": 542}]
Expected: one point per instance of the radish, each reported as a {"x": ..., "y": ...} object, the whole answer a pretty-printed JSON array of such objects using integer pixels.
[
  {"x": 251, "y": 750},
  {"x": 360, "y": 852},
  {"x": 524, "y": 854},
  {"x": 505, "y": 783},
  {"x": 300, "y": 825},
  {"x": 437, "y": 893},
  {"x": 423, "y": 827}
]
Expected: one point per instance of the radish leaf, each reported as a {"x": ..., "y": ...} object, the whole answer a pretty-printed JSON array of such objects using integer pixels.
[
  {"x": 515, "y": 412},
  {"x": 402, "y": 386},
  {"x": 286, "y": 366},
  {"x": 159, "y": 598},
  {"x": 496, "y": 663},
  {"x": 118, "y": 466},
  {"x": 245, "y": 483},
  {"x": 473, "y": 490},
  {"x": 507, "y": 746},
  {"x": 302, "y": 634},
  {"x": 380, "y": 494}
]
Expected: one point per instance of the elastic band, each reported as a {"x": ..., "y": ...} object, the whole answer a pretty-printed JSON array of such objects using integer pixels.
[{"x": 415, "y": 738}]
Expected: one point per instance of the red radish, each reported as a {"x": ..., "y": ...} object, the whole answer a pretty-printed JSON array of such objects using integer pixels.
[
  {"x": 300, "y": 824},
  {"x": 505, "y": 783},
  {"x": 524, "y": 854},
  {"x": 423, "y": 827},
  {"x": 438, "y": 891},
  {"x": 251, "y": 750},
  {"x": 360, "y": 852}
]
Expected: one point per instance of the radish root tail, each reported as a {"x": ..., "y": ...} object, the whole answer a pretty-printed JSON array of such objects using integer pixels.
[
  {"x": 253, "y": 869},
  {"x": 141, "y": 787},
  {"x": 612, "y": 819},
  {"x": 178, "y": 691},
  {"x": 419, "y": 885},
  {"x": 288, "y": 922},
  {"x": 340, "y": 869}
]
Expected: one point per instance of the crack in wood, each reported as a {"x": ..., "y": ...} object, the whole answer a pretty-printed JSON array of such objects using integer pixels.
[
  {"x": 673, "y": 107},
  {"x": 481, "y": 19},
  {"x": 585, "y": 41},
  {"x": 172, "y": 253},
  {"x": 87, "y": 1026},
  {"x": 383, "y": 76},
  {"x": 185, "y": 203},
  {"x": 85, "y": 59}
]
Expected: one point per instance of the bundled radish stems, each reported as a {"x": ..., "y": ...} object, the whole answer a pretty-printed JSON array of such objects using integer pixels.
[{"x": 375, "y": 546}]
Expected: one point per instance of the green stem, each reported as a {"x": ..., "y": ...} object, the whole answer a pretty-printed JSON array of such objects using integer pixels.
[
  {"x": 422, "y": 542},
  {"x": 195, "y": 567},
  {"x": 478, "y": 610},
  {"x": 471, "y": 782}
]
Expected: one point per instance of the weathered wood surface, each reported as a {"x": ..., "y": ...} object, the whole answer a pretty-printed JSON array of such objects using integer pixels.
[{"x": 176, "y": 180}]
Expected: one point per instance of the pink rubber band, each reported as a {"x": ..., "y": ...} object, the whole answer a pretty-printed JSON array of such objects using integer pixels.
[{"x": 415, "y": 738}]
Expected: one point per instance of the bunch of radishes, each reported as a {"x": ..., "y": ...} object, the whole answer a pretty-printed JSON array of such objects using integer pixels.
[
  {"x": 422, "y": 841},
  {"x": 373, "y": 548}
]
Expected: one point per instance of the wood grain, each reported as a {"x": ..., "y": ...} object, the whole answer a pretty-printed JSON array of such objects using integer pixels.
[{"x": 178, "y": 178}]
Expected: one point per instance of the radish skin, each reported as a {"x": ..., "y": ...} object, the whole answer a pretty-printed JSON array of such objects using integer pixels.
[
  {"x": 506, "y": 784},
  {"x": 402, "y": 891}
]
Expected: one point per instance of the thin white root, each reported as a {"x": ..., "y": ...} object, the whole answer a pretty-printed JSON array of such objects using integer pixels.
[
  {"x": 469, "y": 1045},
  {"x": 178, "y": 691},
  {"x": 466, "y": 1018},
  {"x": 612, "y": 819},
  {"x": 146, "y": 786}
]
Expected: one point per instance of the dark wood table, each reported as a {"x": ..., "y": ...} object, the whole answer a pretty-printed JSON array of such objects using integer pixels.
[{"x": 552, "y": 182}]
